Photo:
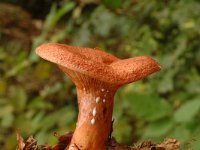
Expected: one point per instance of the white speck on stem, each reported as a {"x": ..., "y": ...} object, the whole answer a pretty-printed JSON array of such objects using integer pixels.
[
  {"x": 97, "y": 99},
  {"x": 104, "y": 95},
  {"x": 92, "y": 121},
  {"x": 72, "y": 147},
  {"x": 102, "y": 90},
  {"x": 94, "y": 111},
  {"x": 104, "y": 100},
  {"x": 107, "y": 91}
]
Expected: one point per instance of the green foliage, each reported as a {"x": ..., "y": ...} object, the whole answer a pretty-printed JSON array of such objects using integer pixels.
[
  {"x": 187, "y": 111},
  {"x": 152, "y": 104},
  {"x": 158, "y": 128},
  {"x": 37, "y": 98},
  {"x": 112, "y": 3}
]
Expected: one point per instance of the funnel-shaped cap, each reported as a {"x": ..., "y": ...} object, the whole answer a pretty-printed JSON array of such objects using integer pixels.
[{"x": 98, "y": 64}]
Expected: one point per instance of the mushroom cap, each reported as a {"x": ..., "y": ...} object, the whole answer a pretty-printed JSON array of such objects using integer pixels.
[{"x": 98, "y": 64}]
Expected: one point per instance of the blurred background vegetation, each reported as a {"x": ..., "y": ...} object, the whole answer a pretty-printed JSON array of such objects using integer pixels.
[{"x": 36, "y": 97}]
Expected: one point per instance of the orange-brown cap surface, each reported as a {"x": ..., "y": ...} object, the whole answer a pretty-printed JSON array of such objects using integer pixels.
[{"x": 98, "y": 64}]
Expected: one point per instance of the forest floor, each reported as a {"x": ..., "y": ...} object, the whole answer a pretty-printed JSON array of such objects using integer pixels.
[{"x": 63, "y": 141}]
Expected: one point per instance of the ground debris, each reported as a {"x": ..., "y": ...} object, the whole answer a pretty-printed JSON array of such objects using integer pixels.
[
  {"x": 20, "y": 141},
  {"x": 167, "y": 144},
  {"x": 64, "y": 141}
]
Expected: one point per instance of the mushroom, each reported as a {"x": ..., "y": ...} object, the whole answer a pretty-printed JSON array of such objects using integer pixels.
[{"x": 97, "y": 75}]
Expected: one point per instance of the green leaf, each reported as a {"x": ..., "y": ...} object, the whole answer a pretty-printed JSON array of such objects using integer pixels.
[
  {"x": 181, "y": 133},
  {"x": 158, "y": 128},
  {"x": 195, "y": 144},
  {"x": 68, "y": 116},
  {"x": 39, "y": 103},
  {"x": 42, "y": 70},
  {"x": 19, "y": 97},
  {"x": 7, "y": 120},
  {"x": 148, "y": 106},
  {"x": 122, "y": 130},
  {"x": 41, "y": 137},
  {"x": 56, "y": 118},
  {"x": 166, "y": 84},
  {"x": 17, "y": 67},
  {"x": 24, "y": 123},
  {"x": 10, "y": 142},
  {"x": 83, "y": 36},
  {"x": 36, "y": 120},
  {"x": 6, "y": 110},
  {"x": 187, "y": 111},
  {"x": 103, "y": 21},
  {"x": 112, "y": 3},
  {"x": 48, "y": 90},
  {"x": 55, "y": 15}
]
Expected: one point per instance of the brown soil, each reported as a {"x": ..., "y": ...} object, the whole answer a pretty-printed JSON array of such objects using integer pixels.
[{"x": 64, "y": 140}]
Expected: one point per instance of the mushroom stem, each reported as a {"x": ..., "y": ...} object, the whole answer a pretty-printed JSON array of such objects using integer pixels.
[
  {"x": 95, "y": 104},
  {"x": 94, "y": 119}
]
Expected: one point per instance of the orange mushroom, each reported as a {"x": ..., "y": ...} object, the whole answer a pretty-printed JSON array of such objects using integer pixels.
[{"x": 97, "y": 75}]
